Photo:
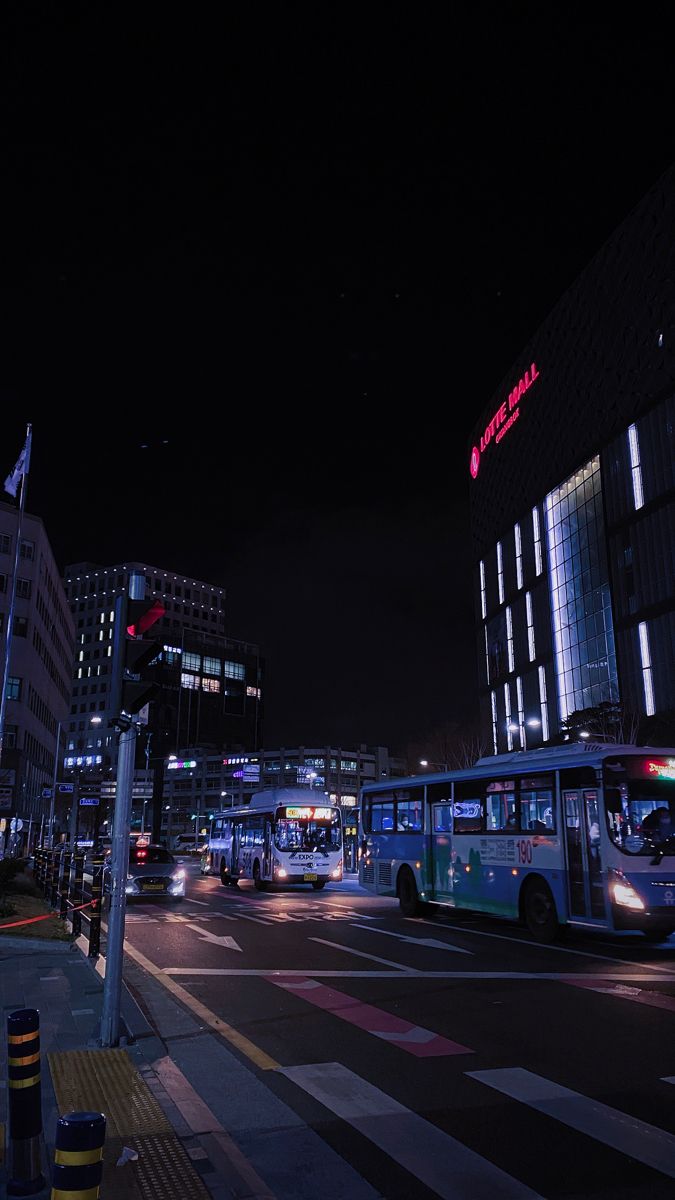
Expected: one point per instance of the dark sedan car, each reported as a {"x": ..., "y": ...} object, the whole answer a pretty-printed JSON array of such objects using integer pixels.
[{"x": 153, "y": 871}]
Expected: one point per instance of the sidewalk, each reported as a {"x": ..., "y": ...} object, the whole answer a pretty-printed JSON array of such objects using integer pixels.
[{"x": 203, "y": 1122}]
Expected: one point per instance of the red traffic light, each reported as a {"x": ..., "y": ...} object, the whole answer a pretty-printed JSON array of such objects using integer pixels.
[{"x": 140, "y": 616}]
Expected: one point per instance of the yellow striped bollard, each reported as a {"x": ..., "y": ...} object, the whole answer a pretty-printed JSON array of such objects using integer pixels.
[
  {"x": 78, "y": 1156},
  {"x": 25, "y": 1103}
]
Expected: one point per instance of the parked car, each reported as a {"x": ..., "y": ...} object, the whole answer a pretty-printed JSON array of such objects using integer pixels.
[{"x": 153, "y": 873}]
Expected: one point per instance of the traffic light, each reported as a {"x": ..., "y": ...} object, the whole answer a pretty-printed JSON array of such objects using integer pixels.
[{"x": 137, "y": 687}]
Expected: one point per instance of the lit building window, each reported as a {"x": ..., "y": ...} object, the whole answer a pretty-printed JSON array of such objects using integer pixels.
[
  {"x": 543, "y": 704},
  {"x": 519, "y": 555},
  {"x": 189, "y": 681},
  {"x": 253, "y": 691},
  {"x": 234, "y": 670},
  {"x": 483, "y": 599},
  {"x": 487, "y": 655},
  {"x": 493, "y": 701},
  {"x": 530, "y": 626},
  {"x": 583, "y": 632},
  {"x": 521, "y": 711},
  {"x": 635, "y": 468},
  {"x": 536, "y": 531},
  {"x": 646, "y": 660},
  {"x": 500, "y": 572},
  {"x": 210, "y": 685},
  {"x": 211, "y": 665},
  {"x": 507, "y": 709},
  {"x": 192, "y": 662},
  {"x": 509, "y": 637}
]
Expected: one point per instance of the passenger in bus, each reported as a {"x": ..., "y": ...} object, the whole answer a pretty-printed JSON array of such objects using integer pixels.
[
  {"x": 657, "y": 824},
  {"x": 403, "y": 822}
]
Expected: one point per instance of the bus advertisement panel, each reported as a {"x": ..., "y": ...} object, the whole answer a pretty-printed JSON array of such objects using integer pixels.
[
  {"x": 570, "y": 835},
  {"x": 284, "y": 835}
]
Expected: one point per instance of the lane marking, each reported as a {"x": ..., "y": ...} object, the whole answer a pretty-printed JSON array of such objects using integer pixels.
[
  {"x": 647, "y": 1143},
  {"x": 214, "y": 939},
  {"x": 399, "y": 973},
  {"x": 423, "y": 1043},
  {"x": 258, "y": 920},
  {"x": 361, "y": 954},
  {"x": 448, "y": 1168},
  {"x": 502, "y": 937},
  {"x": 402, "y": 937},
  {"x": 242, "y": 1043},
  {"x": 205, "y": 903}
]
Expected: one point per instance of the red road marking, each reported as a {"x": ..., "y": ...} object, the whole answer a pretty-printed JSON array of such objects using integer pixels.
[{"x": 423, "y": 1043}]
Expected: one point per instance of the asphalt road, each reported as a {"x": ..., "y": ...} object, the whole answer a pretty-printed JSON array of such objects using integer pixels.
[{"x": 441, "y": 1056}]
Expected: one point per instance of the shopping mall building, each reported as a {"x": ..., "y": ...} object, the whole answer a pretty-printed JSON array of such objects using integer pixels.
[{"x": 572, "y": 486}]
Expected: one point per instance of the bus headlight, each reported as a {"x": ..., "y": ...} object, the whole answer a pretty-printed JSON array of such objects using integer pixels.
[
  {"x": 624, "y": 893},
  {"x": 281, "y": 872},
  {"x": 337, "y": 873}
]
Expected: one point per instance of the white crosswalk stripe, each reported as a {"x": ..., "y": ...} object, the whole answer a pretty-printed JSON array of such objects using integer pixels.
[{"x": 646, "y": 1143}]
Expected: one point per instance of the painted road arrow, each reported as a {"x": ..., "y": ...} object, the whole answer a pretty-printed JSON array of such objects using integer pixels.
[
  {"x": 402, "y": 937},
  {"x": 228, "y": 942}
]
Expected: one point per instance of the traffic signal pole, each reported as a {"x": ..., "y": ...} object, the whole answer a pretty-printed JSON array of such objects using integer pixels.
[
  {"x": 119, "y": 856},
  {"x": 132, "y": 620}
]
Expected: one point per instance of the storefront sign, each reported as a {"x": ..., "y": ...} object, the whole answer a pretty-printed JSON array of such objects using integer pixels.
[{"x": 505, "y": 417}]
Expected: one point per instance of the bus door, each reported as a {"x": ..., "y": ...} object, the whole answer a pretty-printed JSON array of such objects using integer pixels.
[
  {"x": 585, "y": 892},
  {"x": 440, "y": 851},
  {"x": 267, "y": 848},
  {"x": 235, "y": 868}
]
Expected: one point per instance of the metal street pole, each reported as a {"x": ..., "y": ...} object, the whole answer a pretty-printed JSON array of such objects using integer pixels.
[
  {"x": 72, "y": 830},
  {"x": 119, "y": 854},
  {"x": 50, "y": 827}
]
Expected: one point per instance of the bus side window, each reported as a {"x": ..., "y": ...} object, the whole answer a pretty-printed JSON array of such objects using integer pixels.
[
  {"x": 537, "y": 806},
  {"x": 382, "y": 814},
  {"x": 442, "y": 818}
]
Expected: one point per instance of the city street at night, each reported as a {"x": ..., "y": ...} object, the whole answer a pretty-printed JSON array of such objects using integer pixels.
[{"x": 440, "y": 1056}]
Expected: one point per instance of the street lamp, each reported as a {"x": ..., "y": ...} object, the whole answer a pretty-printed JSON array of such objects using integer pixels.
[
  {"x": 143, "y": 817},
  {"x": 424, "y": 762},
  {"x": 231, "y": 795}
]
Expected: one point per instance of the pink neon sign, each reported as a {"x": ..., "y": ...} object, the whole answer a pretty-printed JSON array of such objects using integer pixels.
[{"x": 505, "y": 417}]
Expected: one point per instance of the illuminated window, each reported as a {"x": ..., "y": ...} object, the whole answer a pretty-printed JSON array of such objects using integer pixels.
[
  {"x": 509, "y": 637},
  {"x": 583, "y": 633},
  {"x": 212, "y": 665},
  {"x": 646, "y": 660},
  {"x": 507, "y": 709},
  {"x": 189, "y": 681},
  {"x": 487, "y": 656},
  {"x": 483, "y": 599},
  {"x": 543, "y": 704},
  {"x": 519, "y": 555},
  {"x": 493, "y": 701},
  {"x": 530, "y": 626},
  {"x": 521, "y": 711},
  {"x": 210, "y": 685},
  {"x": 536, "y": 531},
  {"x": 253, "y": 691},
  {"x": 234, "y": 670},
  {"x": 500, "y": 572},
  {"x": 192, "y": 662},
  {"x": 636, "y": 469}
]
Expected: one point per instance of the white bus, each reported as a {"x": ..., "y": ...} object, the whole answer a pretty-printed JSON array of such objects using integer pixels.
[
  {"x": 284, "y": 835},
  {"x": 569, "y": 835}
]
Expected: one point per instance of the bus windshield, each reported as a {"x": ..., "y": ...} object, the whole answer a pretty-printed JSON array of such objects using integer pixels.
[
  {"x": 307, "y": 829},
  {"x": 641, "y": 811}
]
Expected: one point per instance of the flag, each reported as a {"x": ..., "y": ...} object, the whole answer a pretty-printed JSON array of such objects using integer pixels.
[{"x": 22, "y": 464}]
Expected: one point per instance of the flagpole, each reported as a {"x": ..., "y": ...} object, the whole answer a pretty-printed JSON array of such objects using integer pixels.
[{"x": 10, "y": 614}]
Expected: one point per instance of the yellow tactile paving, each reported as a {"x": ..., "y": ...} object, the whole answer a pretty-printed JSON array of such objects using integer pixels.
[{"x": 107, "y": 1081}]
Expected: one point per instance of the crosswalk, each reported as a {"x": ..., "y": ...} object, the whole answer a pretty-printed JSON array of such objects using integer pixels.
[{"x": 454, "y": 1171}]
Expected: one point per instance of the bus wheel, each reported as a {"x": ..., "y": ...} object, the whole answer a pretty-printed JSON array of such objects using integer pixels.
[
  {"x": 539, "y": 910},
  {"x": 259, "y": 883},
  {"x": 407, "y": 893},
  {"x": 318, "y": 884}
]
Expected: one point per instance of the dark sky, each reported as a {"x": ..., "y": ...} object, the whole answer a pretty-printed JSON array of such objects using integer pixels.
[{"x": 293, "y": 255}]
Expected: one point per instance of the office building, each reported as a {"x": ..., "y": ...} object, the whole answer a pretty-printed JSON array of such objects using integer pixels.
[
  {"x": 572, "y": 492},
  {"x": 40, "y": 668}
]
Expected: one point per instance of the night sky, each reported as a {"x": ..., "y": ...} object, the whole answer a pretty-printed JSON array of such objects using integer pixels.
[{"x": 261, "y": 275}]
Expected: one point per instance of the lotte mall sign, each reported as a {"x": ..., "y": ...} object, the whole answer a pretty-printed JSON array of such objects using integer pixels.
[{"x": 505, "y": 417}]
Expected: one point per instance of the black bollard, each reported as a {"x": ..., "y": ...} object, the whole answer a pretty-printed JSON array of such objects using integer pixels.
[
  {"x": 78, "y": 1156},
  {"x": 64, "y": 884},
  {"x": 25, "y": 1103}
]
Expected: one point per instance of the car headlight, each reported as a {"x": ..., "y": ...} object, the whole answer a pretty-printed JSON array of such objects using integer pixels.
[{"x": 178, "y": 875}]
